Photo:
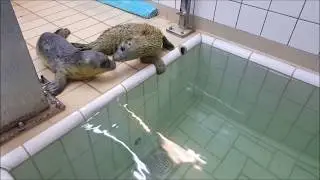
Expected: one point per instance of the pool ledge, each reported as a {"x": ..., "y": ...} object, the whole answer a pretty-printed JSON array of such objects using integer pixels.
[
  {"x": 17, "y": 156},
  {"x": 276, "y": 64}
]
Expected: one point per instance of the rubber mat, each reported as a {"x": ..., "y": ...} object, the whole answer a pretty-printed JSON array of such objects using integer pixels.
[{"x": 137, "y": 7}]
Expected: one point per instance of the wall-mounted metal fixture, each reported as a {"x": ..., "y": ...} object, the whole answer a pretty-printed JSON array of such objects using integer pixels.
[{"x": 185, "y": 25}]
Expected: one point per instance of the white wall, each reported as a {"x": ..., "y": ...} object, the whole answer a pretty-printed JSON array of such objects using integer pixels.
[{"x": 291, "y": 22}]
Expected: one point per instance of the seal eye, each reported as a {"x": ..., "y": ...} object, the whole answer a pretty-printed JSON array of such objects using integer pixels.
[
  {"x": 122, "y": 48},
  {"x": 129, "y": 43}
]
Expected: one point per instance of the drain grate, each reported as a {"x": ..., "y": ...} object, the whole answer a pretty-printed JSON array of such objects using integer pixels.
[{"x": 159, "y": 164}]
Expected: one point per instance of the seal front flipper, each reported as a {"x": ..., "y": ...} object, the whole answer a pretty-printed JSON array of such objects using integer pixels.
[
  {"x": 158, "y": 63},
  {"x": 167, "y": 44},
  {"x": 58, "y": 85}
]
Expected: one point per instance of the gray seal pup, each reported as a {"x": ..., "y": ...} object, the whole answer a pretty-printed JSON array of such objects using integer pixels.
[{"x": 68, "y": 62}]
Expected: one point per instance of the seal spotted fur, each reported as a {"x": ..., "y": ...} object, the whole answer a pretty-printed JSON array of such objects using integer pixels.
[{"x": 130, "y": 41}]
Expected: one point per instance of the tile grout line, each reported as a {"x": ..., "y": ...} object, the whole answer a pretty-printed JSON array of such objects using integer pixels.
[
  {"x": 68, "y": 158},
  {"x": 300, "y": 112},
  {"x": 215, "y": 9},
  {"x": 265, "y": 19},
  {"x": 52, "y": 22},
  {"x": 295, "y": 25},
  {"x": 278, "y": 104},
  {"x": 81, "y": 12},
  {"x": 244, "y": 71},
  {"x": 241, "y": 4},
  {"x": 279, "y": 13},
  {"x": 295, "y": 156},
  {"x": 259, "y": 92},
  {"x": 92, "y": 153},
  {"x": 112, "y": 144},
  {"x": 31, "y": 158}
]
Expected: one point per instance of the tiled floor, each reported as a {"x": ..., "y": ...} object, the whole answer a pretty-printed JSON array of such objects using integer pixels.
[{"x": 86, "y": 19}]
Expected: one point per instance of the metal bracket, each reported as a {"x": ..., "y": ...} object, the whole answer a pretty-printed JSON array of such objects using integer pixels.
[{"x": 178, "y": 31}]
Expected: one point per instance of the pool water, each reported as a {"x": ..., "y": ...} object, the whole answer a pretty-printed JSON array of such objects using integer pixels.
[{"x": 211, "y": 115}]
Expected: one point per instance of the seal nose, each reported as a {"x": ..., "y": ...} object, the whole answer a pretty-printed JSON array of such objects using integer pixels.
[{"x": 115, "y": 57}]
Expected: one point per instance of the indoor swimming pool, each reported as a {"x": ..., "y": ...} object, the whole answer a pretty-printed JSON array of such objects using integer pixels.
[{"x": 211, "y": 115}]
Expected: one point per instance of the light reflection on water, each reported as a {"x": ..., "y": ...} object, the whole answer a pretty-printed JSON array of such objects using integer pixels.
[
  {"x": 141, "y": 167},
  {"x": 137, "y": 118},
  {"x": 175, "y": 152},
  {"x": 180, "y": 155}
]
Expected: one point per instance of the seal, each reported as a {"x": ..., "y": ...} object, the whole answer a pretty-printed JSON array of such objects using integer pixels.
[
  {"x": 68, "y": 62},
  {"x": 130, "y": 41}
]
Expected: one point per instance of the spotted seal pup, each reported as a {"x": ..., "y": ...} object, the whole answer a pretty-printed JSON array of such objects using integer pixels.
[
  {"x": 131, "y": 41},
  {"x": 68, "y": 62}
]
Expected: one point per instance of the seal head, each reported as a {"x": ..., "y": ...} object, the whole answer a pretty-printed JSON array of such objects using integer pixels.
[
  {"x": 89, "y": 64},
  {"x": 126, "y": 51}
]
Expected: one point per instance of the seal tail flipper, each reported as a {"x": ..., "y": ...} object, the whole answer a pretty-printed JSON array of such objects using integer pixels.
[
  {"x": 167, "y": 44},
  {"x": 58, "y": 85},
  {"x": 81, "y": 46}
]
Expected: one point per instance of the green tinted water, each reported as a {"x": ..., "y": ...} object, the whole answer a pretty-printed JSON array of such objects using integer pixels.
[{"x": 212, "y": 115}]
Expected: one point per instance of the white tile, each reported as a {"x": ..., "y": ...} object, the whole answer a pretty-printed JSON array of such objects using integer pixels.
[
  {"x": 291, "y": 8},
  {"x": 278, "y": 27},
  {"x": 169, "y": 3},
  {"x": 227, "y": 13},
  {"x": 258, "y": 3},
  {"x": 171, "y": 56},
  {"x": 207, "y": 39},
  {"x": 311, "y": 10},
  {"x": 251, "y": 19},
  {"x": 205, "y": 9},
  {"x": 306, "y": 37},
  {"x": 53, "y": 133},
  {"x": 5, "y": 175},
  {"x": 195, "y": 40},
  {"x": 232, "y": 48},
  {"x": 307, "y": 77},
  {"x": 102, "y": 101},
  {"x": 139, "y": 77},
  {"x": 14, "y": 158},
  {"x": 178, "y": 4},
  {"x": 272, "y": 64}
]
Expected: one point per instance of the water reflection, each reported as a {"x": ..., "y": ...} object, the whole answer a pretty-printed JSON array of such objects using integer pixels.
[
  {"x": 141, "y": 167},
  {"x": 180, "y": 155},
  {"x": 176, "y": 153},
  {"x": 137, "y": 118}
]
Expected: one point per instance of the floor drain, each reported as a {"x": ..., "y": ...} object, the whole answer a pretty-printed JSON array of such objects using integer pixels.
[{"x": 159, "y": 165}]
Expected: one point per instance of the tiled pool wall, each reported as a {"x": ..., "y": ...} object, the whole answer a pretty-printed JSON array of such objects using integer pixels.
[
  {"x": 65, "y": 145},
  {"x": 273, "y": 104}
]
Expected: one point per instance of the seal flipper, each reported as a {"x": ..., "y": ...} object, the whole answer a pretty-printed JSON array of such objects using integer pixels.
[
  {"x": 167, "y": 44},
  {"x": 58, "y": 85},
  {"x": 158, "y": 63}
]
